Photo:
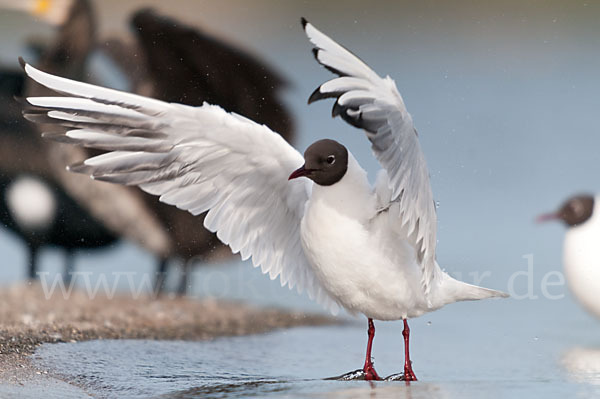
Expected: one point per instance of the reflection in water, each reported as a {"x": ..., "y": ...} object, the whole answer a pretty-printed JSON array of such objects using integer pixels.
[
  {"x": 583, "y": 364},
  {"x": 234, "y": 390},
  {"x": 358, "y": 390},
  {"x": 387, "y": 390}
]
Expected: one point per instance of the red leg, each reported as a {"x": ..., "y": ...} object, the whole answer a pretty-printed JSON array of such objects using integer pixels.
[
  {"x": 409, "y": 375},
  {"x": 370, "y": 373}
]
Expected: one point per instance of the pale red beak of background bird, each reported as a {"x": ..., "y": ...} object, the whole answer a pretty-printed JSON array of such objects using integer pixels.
[{"x": 547, "y": 217}]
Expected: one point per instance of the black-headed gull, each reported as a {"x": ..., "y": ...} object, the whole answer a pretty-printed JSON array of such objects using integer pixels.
[
  {"x": 581, "y": 252},
  {"x": 370, "y": 250}
]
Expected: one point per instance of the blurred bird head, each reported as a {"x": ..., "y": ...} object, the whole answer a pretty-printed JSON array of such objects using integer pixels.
[{"x": 575, "y": 211}]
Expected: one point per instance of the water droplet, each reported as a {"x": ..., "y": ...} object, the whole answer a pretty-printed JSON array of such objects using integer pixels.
[{"x": 428, "y": 323}]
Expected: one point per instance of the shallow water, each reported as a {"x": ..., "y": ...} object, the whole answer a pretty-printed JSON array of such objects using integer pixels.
[{"x": 466, "y": 352}]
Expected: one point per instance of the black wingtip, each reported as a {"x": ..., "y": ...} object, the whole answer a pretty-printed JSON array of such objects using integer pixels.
[
  {"x": 336, "y": 110},
  {"x": 315, "y": 52},
  {"x": 319, "y": 95},
  {"x": 303, "y": 21},
  {"x": 315, "y": 96},
  {"x": 22, "y": 62}
]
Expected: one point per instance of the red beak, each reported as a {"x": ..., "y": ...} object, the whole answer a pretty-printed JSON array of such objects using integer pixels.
[
  {"x": 301, "y": 171},
  {"x": 547, "y": 217}
]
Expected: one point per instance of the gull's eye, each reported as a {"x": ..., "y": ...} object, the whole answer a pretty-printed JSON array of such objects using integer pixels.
[{"x": 331, "y": 160}]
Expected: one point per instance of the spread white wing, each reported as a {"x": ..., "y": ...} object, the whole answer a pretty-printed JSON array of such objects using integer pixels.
[
  {"x": 367, "y": 101},
  {"x": 198, "y": 159}
]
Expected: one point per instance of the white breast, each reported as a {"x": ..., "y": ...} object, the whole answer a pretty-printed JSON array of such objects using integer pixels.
[
  {"x": 353, "y": 262},
  {"x": 582, "y": 262}
]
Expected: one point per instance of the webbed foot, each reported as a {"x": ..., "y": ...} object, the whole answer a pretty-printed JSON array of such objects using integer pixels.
[{"x": 368, "y": 374}]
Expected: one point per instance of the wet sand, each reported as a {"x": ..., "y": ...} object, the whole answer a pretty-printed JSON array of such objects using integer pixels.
[{"x": 28, "y": 318}]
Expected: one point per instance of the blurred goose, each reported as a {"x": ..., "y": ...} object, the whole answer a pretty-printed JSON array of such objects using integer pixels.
[
  {"x": 314, "y": 221},
  {"x": 32, "y": 203},
  {"x": 581, "y": 252},
  {"x": 172, "y": 62}
]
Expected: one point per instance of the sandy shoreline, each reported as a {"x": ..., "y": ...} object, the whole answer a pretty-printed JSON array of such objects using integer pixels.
[{"x": 28, "y": 319}]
